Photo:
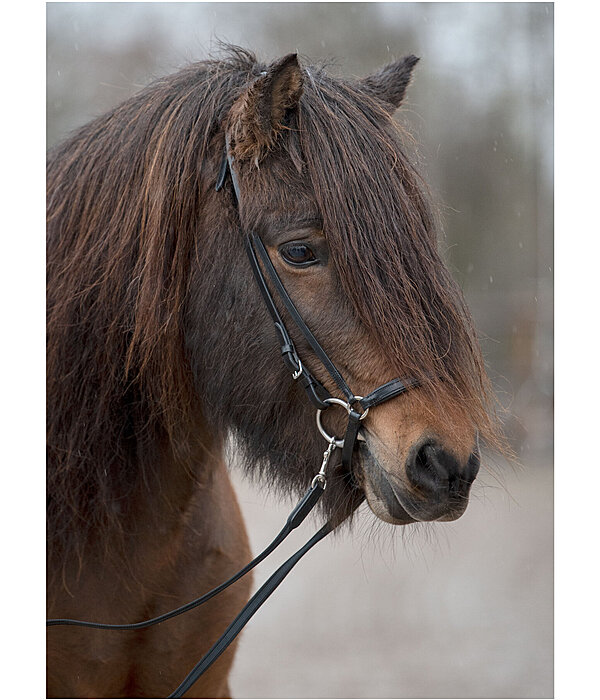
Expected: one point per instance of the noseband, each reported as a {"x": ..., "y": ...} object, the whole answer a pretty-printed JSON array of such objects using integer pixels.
[{"x": 357, "y": 408}]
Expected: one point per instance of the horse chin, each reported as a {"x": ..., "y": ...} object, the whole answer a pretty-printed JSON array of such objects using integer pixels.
[
  {"x": 391, "y": 502},
  {"x": 390, "y": 512}
]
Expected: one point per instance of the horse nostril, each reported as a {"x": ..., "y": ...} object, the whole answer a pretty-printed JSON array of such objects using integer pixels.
[{"x": 432, "y": 470}]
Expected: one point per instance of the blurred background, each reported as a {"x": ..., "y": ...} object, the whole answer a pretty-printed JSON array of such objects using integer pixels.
[{"x": 453, "y": 610}]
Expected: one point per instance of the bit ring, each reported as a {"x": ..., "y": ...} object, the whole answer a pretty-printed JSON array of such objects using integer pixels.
[
  {"x": 338, "y": 443},
  {"x": 338, "y": 402},
  {"x": 346, "y": 405}
]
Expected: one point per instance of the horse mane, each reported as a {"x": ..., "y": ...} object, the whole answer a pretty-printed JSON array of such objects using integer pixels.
[
  {"x": 127, "y": 195},
  {"x": 384, "y": 248},
  {"x": 125, "y": 201}
]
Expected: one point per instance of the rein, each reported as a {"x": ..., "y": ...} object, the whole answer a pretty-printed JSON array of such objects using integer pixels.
[{"x": 321, "y": 399}]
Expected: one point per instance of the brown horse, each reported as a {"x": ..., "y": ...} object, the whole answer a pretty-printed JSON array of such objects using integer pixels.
[{"x": 159, "y": 347}]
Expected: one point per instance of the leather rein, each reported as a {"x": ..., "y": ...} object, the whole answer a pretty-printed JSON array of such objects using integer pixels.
[{"x": 357, "y": 408}]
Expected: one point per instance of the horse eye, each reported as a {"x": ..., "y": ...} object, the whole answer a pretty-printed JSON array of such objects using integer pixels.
[{"x": 298, "y": 254}]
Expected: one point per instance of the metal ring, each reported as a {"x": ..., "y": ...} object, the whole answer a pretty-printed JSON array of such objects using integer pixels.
[
  {"x": 319, "y": 478},
  {"x": 329, "y": 438},
  {"x": 364, "y": 415},
  {"x": 339, "y": 402},
  {"x": 346, "y": 405}
]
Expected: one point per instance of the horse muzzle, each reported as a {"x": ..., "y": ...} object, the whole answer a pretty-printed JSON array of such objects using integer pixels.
[{"x": 431, "y": 485}]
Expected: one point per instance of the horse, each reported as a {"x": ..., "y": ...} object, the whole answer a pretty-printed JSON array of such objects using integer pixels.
[{"x": 160, "y": 348}]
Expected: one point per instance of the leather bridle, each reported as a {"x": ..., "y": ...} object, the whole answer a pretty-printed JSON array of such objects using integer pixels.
[
  {"x": 315, "y": 391},
  {"x": 357, "y": 408}
]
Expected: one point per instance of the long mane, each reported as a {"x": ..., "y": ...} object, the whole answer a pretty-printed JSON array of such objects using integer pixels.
[
  {"x": 384, "y": 246},
  {"x": 127, "y": 200},
  {"x": 125, "y": 204}
]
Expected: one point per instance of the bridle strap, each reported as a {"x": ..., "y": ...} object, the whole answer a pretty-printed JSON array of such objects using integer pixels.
[
  {"x": 385, "y": 392},
  {"x": 256, "y": 243},
  {"x": 250, "y": 608},
  {"x": 296, "y": 517},
  {"x": 315, "y": 391},
  {"x": 388, "y": 391},
  {"x": 350, "y": 437}
]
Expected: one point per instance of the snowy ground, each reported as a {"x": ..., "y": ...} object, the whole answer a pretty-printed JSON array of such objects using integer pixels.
[{"x": 452, "y": 610}]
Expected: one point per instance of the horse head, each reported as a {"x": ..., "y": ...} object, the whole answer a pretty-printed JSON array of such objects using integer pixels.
[{"x": 327, "y": 185}]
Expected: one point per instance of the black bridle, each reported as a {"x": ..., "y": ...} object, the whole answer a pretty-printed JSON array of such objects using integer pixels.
[
  {"x": 316, "y": 392},
  {"x": 321, "y": 399}
]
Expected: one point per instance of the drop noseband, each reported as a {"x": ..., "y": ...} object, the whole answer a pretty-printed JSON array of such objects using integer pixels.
[{"x": 322, "y": 400}]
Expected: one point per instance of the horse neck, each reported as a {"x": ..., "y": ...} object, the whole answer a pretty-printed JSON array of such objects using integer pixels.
[
  {"x": 160, "y": 507},
  {"x": 172, "y": 495}
]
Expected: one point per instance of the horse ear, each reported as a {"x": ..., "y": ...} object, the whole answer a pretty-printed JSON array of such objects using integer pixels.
[
  {"x": 390, "y": 83},
  {"x": 256, "y": 117}
]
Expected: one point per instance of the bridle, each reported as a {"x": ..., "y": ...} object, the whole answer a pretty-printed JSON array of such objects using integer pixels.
[
  {"x": 315, "y": 391},
  {"x": 357, "y": 408}
]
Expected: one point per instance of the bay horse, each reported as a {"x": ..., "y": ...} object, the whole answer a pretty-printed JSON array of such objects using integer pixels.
[{"x": 160, "y": 348}]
